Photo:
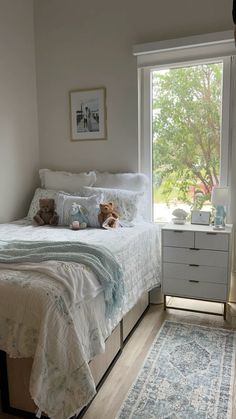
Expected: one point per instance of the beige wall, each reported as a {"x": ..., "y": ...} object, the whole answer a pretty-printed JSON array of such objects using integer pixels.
[
  {"x": 78, "y": 45},
  {"x": 83, "y": 44},
  {"x": 18, "y": 117}
]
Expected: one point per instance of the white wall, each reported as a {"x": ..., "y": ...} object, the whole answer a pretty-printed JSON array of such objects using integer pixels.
[
  {"x": 83, "y": 44},
  {"x": 18, "y": 112}
]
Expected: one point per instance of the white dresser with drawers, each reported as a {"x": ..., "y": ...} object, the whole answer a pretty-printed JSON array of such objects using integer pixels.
[{"x": 196, "y": 262}]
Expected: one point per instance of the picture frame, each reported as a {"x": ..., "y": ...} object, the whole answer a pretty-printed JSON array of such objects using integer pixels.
[
  {"x": 200, "y": 217},
  {"x": 88, "y": 114}
]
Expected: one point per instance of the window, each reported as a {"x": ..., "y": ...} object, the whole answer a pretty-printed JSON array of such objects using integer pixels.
[
  {"x": 185, "y": 101},
  {"x": 186, "y": 136}
]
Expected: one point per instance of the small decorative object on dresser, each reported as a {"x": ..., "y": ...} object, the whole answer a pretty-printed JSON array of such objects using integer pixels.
[
  {"x": 220, "y": 198},
  {"x": 200, "y": 217},
  {"x": 179, "y": 216},
  {"x": 196, "y": 262}
]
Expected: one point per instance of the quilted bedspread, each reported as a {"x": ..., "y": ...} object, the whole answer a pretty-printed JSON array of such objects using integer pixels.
[{"x": 46, "y": 311}]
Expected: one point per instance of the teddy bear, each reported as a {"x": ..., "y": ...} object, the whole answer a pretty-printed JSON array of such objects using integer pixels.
[
  {"x": 107, "y": 216},
  {"x": 78, "y": 219},
  {"x": 46, "y": 213}
]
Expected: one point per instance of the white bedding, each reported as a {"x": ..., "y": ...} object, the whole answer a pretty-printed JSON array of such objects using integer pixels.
[{"x": 46, "y": 310}]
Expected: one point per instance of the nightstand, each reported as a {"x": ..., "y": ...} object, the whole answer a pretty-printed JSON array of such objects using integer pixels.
[{"x": 196, "y": 262}]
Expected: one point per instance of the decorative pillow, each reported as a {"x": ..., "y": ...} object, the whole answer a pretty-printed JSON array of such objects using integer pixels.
[
  {"x": 127, "y": 181},
  {"x": 64, "y": 203},
  {"x": 126, "y": 203},
  {"x": 39, "y": 194},
  {"x": 65, "y": 181}
]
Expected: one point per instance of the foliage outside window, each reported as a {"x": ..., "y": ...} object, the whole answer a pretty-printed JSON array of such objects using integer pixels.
[{"x": 186, "y": 136}]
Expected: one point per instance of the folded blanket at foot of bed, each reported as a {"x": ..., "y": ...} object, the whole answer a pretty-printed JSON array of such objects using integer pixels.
[{"x": 99, "y": 259}]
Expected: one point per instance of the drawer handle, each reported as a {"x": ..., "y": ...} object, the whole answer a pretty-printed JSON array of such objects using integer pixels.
[
  {"x": 192, "y": 264},
  {"x": 212, "y": 234},
  {"x": 178, "y": 231},
  {"x": 193, "y": 280},
  {"x": 193, "y": 248}
]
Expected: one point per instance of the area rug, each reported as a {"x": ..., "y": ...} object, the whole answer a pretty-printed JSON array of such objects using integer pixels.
[{"x": 188, "y": 374}]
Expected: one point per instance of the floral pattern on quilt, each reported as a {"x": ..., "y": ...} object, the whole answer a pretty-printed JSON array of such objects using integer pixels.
[
  {"x": 37, "y": 320},
  {"x": 39, "y": 317}
]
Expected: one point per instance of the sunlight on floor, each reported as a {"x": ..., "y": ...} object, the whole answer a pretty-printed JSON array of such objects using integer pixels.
[{"x": 204, "y": 306}]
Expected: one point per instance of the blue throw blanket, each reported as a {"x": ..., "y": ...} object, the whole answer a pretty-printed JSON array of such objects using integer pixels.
[{"x": 99, "y": 259}]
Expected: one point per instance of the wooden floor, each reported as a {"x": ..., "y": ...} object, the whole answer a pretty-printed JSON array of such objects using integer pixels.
[{"x": 110, "y": 396}]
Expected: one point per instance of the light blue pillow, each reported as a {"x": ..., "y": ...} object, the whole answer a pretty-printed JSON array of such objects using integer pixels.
[{"x": 64, "y": 203}]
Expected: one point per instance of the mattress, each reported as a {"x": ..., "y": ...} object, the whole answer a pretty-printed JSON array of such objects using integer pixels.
[{"x": 55, "y": 312}]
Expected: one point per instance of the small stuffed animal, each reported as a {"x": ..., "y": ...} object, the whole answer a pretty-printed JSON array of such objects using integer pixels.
[
  {"x": 46, "y": 213},
  {"x": 78, "y": 219},
  {"x": 107, "y": 214}
]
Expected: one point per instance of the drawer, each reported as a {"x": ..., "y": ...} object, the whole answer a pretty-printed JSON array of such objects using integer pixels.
[
  {"x": 131, "y": 318},
  {"x": 211, "y": 240},
  {"x": 198, "y": 273},
  {"x": 98, "y": 366},
  {"x": 193, "y": 256},
  {"x": 178, "y": 238},
  {"x": 202, "y": 290}
]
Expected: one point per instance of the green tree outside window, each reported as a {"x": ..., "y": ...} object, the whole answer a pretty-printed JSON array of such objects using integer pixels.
[{"x": 186, "y": 133}]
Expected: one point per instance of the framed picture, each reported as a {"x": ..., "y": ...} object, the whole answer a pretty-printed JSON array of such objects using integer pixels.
[
  {"x": 200, "y": 217},
  {"x": 88, "y": 114}
]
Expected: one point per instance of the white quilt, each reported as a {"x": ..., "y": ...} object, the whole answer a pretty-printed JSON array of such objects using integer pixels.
[{"x": 46, "y": 311}]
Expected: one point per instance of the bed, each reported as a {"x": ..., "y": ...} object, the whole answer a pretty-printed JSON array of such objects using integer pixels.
[{"x": 61, "y": 323}]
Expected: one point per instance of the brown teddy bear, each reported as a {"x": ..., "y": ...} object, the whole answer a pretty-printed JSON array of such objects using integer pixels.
[
  {"x": 46, "y": 213},
  {"x": 108, "y": 213}
]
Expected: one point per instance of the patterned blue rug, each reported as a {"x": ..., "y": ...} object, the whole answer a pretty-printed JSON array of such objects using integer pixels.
[{"x": 188, "y": 374}]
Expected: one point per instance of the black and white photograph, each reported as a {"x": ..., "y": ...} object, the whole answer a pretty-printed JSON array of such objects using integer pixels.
[{"x": 88, "y": 114}]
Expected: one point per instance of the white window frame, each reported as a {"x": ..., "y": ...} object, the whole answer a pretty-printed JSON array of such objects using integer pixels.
[{"x": 179, "y": 53}]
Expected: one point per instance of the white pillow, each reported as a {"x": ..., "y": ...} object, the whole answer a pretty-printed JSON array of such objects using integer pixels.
[
  {"x": 128, "y": 181},
  {"x": 64, "y": 203},
  {"x": 39, "y": 194},
  {"x": 65, "y": 181},
  {"x": 126, "y": 203}
]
